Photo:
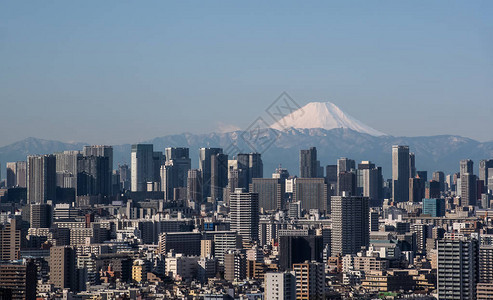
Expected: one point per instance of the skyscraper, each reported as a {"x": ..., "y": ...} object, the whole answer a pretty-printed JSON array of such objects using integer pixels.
[
  {"x": 179, "y": 158},
  {"x": 194, "y": 186},
  {"x": 412, "y": 165},
  {"x": 458, "y": 268},
  {"x": 92, "y": 176},
  {"x": 350, "y": 224},
  {"x": 312, "y": 193},
  {"x": 125, "y": 176},
  {"x": 466, "y": 166},
  {"x": 249, "y": 166},
  {"x": 145, "y": 166},
  {"x": 439, "y": 177},
  {"x": 102, "y": 151},
  {"x": 484, "y": 174},
  {"x": 270, "y": 192},
  {"x": 345, "y": 164},
  {"x": 219, "y": 175},
  {"x": 205, "y": 167},
  {"x": 308, "y": 163},
  {"x": 468, "y": 189},
  {"x": 41, "y": 178},
  {"x": 168, "y": 180},
  {"x": 244, "y": 213},
  {"x": 16, "y": 174},
  {"x": 66, "y": 168},
  {"x": 370, "y": 182},
  {"x": 347, "y": 183},
  {"x": 400, "y": 173}
]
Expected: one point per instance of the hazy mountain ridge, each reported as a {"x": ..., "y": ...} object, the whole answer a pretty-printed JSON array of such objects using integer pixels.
[{"x": 441, "y": 152}]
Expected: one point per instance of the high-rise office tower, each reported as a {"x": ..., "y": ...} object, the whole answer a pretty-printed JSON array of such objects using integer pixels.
[
  {"x": 16, "y": 174},
  {"x": 145, "y": 166},
  {"x": 168, "y": 180},
  {"x": 345, "y": 165},
  {"x": 370, "y": 182},
  {"x": 308, "y": 163},
  {"x": 432, "y": 189},
  {"x": 416, "y": 193},
  {"x": 63, "y": 267},
  {"x": 102, "y": 151},
  {"x": 347, "y": 183},
  {"x": 310, "y": 280},
  {"x": 412, "y": 165},
  {"x": 484, "y": 174},
  {"x": 458, "y": 268},
  {"x": 66, "y": 168},
  {"x": 350, "y": 224},
  {"x": 125, "y": 176},
  {"x": 219, "y": 175},
  {"x": 331, "y": 174},
  {"x": 466, "y": 166},
  {"x": 10, "y": 241},
  {"x": 205, "y": 155},
  {"x": 312, "y": 193},
  {"x": 244, "y": 213},
  {"x": 41, "y": 178},
  {"x": 194, "y": 186},
  {"x": 400, "y": 173},
  {"x": 11, "y": 177},
  {"x": 249, "y": 166},
  {"x": 280, "y": 286},
  {"x": 92, "y": 176},
  {"x": 468, "y": 189},
  {"x": 179, "y": 158},
  {"x": 281, "y": 173},
  {"x": 255, "y": 166},
  {"x": 439, "y": 176},
  {"x": 270, "y": 192}
]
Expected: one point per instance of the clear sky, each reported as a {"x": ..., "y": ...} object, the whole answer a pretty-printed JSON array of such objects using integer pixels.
[{"x": 126, "y": 71}]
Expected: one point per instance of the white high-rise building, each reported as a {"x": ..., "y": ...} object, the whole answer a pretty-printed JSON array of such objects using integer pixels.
[
  {"x": 280, "y": 286},
  {"x": 244, "y": 213}
]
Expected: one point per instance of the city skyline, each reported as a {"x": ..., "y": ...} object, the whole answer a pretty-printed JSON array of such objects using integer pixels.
[{"x": 246, "y": 150}]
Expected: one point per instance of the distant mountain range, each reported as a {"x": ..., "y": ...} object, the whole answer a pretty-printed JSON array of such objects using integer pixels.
[
  {"x": 441, "y": 152},
  {"x": 319, "y": 124}
]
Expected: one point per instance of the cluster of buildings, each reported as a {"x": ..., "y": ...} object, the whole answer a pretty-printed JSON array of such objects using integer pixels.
[{"x": 74, "y": 227}]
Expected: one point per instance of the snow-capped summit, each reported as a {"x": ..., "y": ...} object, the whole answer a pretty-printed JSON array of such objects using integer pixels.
[{"x": 324, "y": 115}]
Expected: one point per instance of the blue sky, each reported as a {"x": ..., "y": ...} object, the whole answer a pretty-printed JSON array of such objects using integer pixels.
[{"x": 126, "y": 71}]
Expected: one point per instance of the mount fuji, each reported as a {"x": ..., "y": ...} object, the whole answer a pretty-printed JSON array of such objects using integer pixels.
[{"x": 324, "y": 115}]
